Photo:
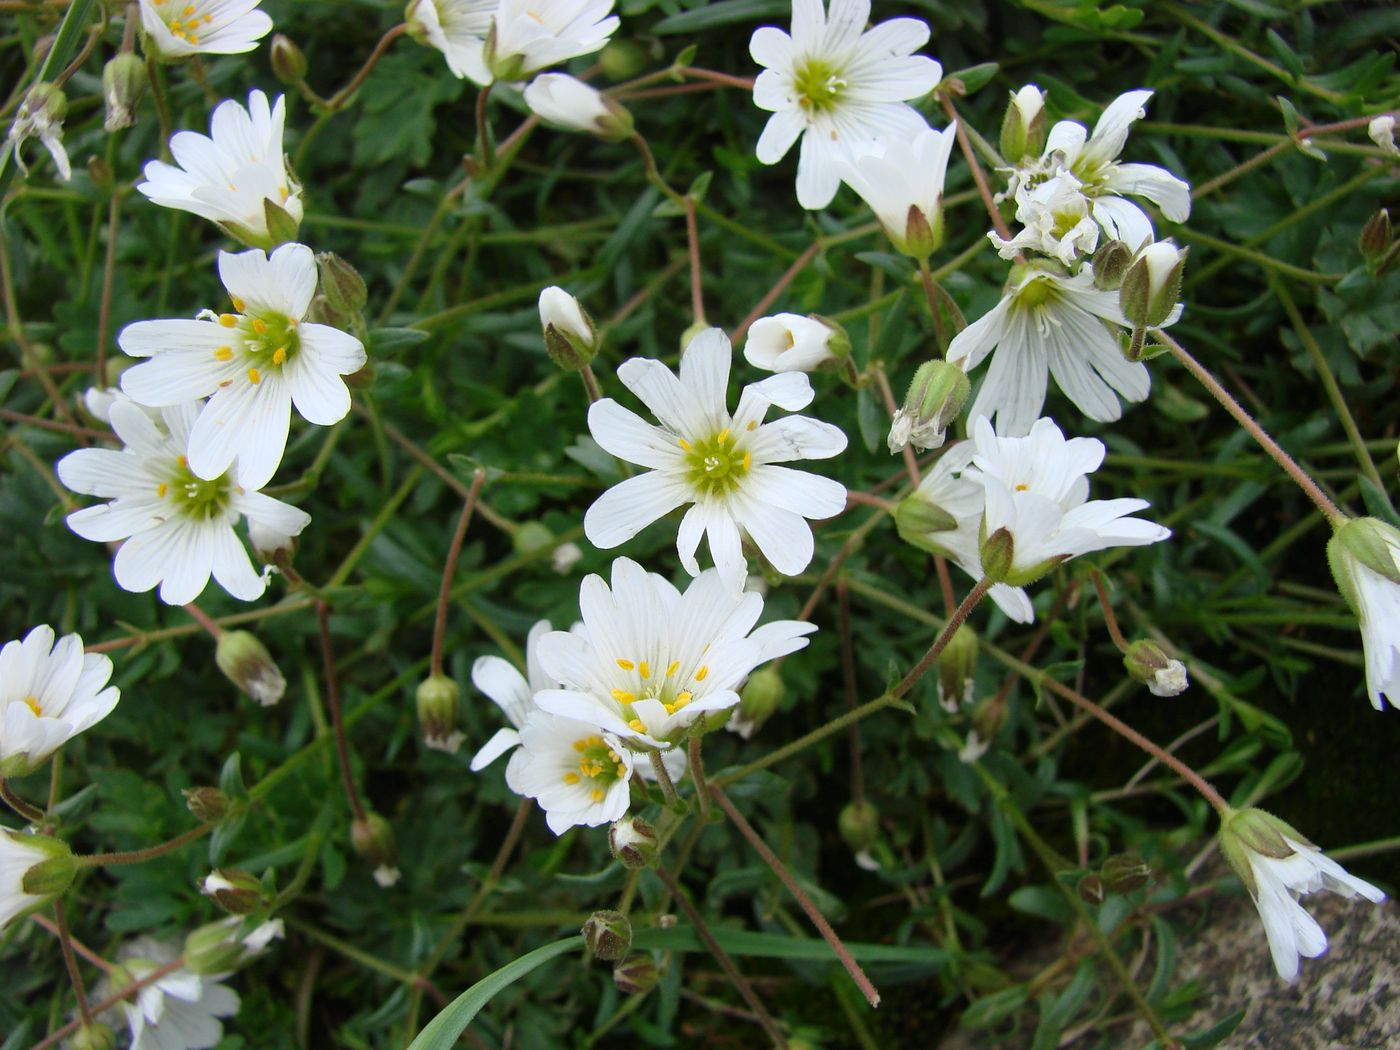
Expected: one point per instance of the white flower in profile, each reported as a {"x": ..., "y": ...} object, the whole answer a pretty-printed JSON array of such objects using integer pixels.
[
  {"x": 512, "y": 692},
  {"x": 794, "y": 343},
  {"x": 1056, "y": 220},
  {"x": 1037, "y": 491},
  {"x": 40, "y": 116},
  {"x": 179, "y": 1011},
  {"x": 178, "y": 527},
  {"x": 183, "y": 28},
  {"x": 1093, "y": 160},
  {"x": 98, "y": 402},
  {"x": 1365, "y": 557},
  {"x": 34, "y": 869},
  {"x": 1277, "y": 866},
  {"x": 458, "y": 29},
  {"x": 903, "y": 184},
  {"x": 649, "y": 660},
  {"x": 726, "y": 466},
  {"x": 256, "y": 363},
  {"x": 236, "y": 176},
  {"x": 842, "y": 90},
  {"x": 576, "y": 774},
  {"x": 49, "y": 693},
  {"x": 527, "y": 36},
  {"x": 1382, "y": 132},
  {"x": 1049, "y": 324},
  {"x": 572, "y": 105}
]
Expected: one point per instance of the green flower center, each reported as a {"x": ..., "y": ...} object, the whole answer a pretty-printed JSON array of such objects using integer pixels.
[
  {"x": 658, "y": 683},
  {"x": 818, "y": 84},
  {"x": 716, "y": 465},
  {"x": 598, "y": 766},
  {"x": 263, "y": 342},
  {"x": 193, "y": 496}
]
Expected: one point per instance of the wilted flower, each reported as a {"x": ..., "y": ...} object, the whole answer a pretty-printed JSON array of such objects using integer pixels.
[
  {"x": 40, "y": 116},
  {"x": 1056, "y": 220}
]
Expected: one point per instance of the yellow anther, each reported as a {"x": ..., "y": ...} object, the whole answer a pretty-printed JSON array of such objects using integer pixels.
[
  {"x": 613, "y": 755},
  {"x": 621, "y": 771},
  {"x": 279, "y": 357},
  {"x": 703, "y": 673},
  {"x": 626, "y": 665},
  {"x": 683, "y": 698},
  {"x": 33, "y": 705},
  {"x": 595, "y": 741},
  {"x": 622, "y": 696},
  {"x": 283, "y": 192},
  {"x": 1022, "y": 487},
  {"x": 579, "y": 745},
  {"x": 161, "y": 490},
  {"x": 571, "y": 778},
  {"x": 723, "y": 436},
  {"x": 176, "y": 25},
  {"x": 254, "y": 376},
  {"x": 259, "y": 325},
  {"x": 597, "y": 794},
  {"x": 224, "y": 353},
  {"x": 238, "y": 304},
  {"x": 670, "y": 708},
  {"x": 183, "y": 462},
  {"x": 672, "y": 668},
  {"x": 748, "y": 460},
  {"x": 228, "y": 320},
  {"x": 226, "y": 382},
  {"x": 636, "y": 724},
  {"x": 684, "y": 443},
  {"x": 752, "y": 425},
  {"x": 189, "y": 10},
  {"x": 645, "y": 669}
]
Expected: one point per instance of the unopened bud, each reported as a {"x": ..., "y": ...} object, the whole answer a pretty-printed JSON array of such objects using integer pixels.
[
  {"x": 935, "y": 397},
  {"x": 1124, "y": 873},
  {"x": 1152, "y": 285},
  {"x": 531, "y": 536},
  {"x": 288, "y": 62},
  {"x": 622, "y": 59},
  {"x": 341, "y": 284},
  {"x": 1148, "y": 663},
  {"x": 237, "y": 892},
  {"x": 1111, "y": 262},
  {"x": 1375, "y": 238},
  {"x": 565, "y": 557},
  {"x": 439, "y": 701},
  {"x": 373, "y": 841},
  {"x": 758, "y": 699},
  {"x": 246, "y": 663},
  {"x": 636, "y": 975},
  {"x": 569, "y": 335},
  {"x": 634, "y": 843},
  {"x": 956, "y": 663},
  {"x": 568, "y": 103},
  {"x": 1091, "y": 889},
  {"x": 52, "y": 869},
  {"x": 794, "y": 343},
  {"x": 1023, "y": 127},
  {"x": 213, "y": 949},
  {"x": 208, "y": 804},
  {"x": 859, "y": 824},
  {"x": 123, "y": 83},
  {"x": 997, "y": 552},
  {"x": 94, "y": 1037},
  {"x": 688, "y": 336},
  {"x": 918, "y": 520},
  {"x": 608, "y": 935}
]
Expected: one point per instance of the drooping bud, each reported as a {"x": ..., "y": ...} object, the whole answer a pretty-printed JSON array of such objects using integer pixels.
[
  {"x": 634, "y": 843},
  {"x": 124, "y": 81},
  {"x": 439, "y": 702},
  {"x": 288, "y": 62},
  {"x": 936, "y": 395},
  {"x": 956, "y": 663},
  {"x": 237, "y": 892},
  {"x": 1091, "y": 889},
  {"x": 341, "y": 284},
  {"x": 1148, "y": 663},
  {"x": 47, "y": 864},
  {"x": 859, "y": 824},
  {"x": 271, "y": 546},
  {"x": 1152, "y": 285},
  {"x": 1363, "y": 543},
  {"x": 94, "y": 1037},
  {"x": 1023, "y": 127},
  {"x": 569, "y": 335},
  {"x": 222, "y": 947},
  {"x": 208, "y": 804},
  {"x": 608, "y": 935},
  {"x": 373, "y": 841},
  {"x": 1111, "y": 263},
  {"x": 40, "y": 116},
  {"x": 1124, "y": 873},
  {"x": 246, "y": 663},
  {"x": 1375, "y": 238},
  {"x": 568, "y": 103},
  {"x": 998, "y": 553},
  {"x": 636, "y": 975},
  {"x": 758, "y": 699}
]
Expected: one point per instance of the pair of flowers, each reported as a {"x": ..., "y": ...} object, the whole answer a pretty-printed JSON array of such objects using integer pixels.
[{"x": 490, "y": 40}]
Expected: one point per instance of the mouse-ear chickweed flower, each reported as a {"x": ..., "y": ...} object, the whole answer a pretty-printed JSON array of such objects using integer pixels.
[
  {"x": 725, "y": 465},
  {"x": 256, "y": 363},
  {"x": 1365, "y": 557},
  {"x": 572, "y": 105},
  {"x": 512, "y": 692},
  {"x": 178, "y": 29},
  {"x": 458, "y": 29},
  {"x": 577, "y": 774},
  {"x": 527, "y": 36},
  {"x": 794, "y": 343},
  {"x": 903, "y": 184},
  {"x": 839, "y": 88}
]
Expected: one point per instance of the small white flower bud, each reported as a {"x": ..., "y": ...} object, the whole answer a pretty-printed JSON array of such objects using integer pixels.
[
  {"x": 936, "y": 395},
  {"x": 571, "y": 104},
  {"x": 246, "y": 663},
  {"x": 794, "y": 343},
  {"x": 1382, "y": 132},
  {"x": 569, "y": 334},
  {"x": 438, "y": 700},
  {"x": 1152, "y": 285},
  {"x": 1023, "y": 127}
]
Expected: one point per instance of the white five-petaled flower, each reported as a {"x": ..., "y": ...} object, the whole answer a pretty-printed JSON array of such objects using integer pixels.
[
  {"x": 1365, "y": 557},
  {"x": 724, "y": 465},
  {"x": 1093, "y": 161},
  {"x": 794, "y": 343},
  {"x": 257, "y": 363},
  {"x": 903, "y": 184},
  {"x": 843, "y": 90},
  {"x": 458, "y": 29},
  {"x": 1049, "y": 323},
  {"x": 49, "y": 692},
  {"x": 180, "y": 1011},
  {"x": 1037, "y": 490},
  {"x": 182, "y": 28},
  {"x": 527, "y": 36},
  {"x": 648, "y": 660},
  {"x": 234, "y": 176},
  {"x": 576, "y": 774},
  {"x": 512, "y": 692},
  {"x": 1056, "y": 220},
  {"x": 177, "y": 526}
]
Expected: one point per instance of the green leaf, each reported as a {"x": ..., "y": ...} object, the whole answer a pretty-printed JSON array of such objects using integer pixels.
[
  {"x": 388, "y": 340},
  {"x": 724, "y": 13},
  {"x": 442, "y": 1032},
  {"x": 1215, "y": 1034},
  {"x": 990, "y": 1009},
  {"x": 781, "y": 946},
  {"x": 974, "y": 78}
]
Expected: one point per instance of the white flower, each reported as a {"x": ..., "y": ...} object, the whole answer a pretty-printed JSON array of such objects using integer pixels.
[
  {"x": 40, "y": 116},
  {"x": 648, "y": 660},
  {"x": 577, "y": 775},
  {"x": 256, "y": 363},
  {"x": 34, "y": 869},
  {"x": 180, "y": 1011},
  {"x": 1037, "y": 489},
  {"x": 903, "y": 184},
  {"x": 530, "y": 35},
  {"x": 1093, "y": 160},
  {"x": 794, "y": 343},
  {"x": 843, "y": 90},
  {"x": 458, "y": 29},
  {"x": 565, "y": 557},
  {"x": 178, "y": 528},
  {"x": 98, "y": 402},
  {"x": 234, "y": 175},
  {"x": 1056, "y": 219},
  {"x": 571, "y": 104},
  {"x": 724, "y": 465},
  {"x": 1050, "y": 323},
  {"x": 181, "y": 28},
  {"x": 570, "y": 337},
  {"x": 1365, "y": 557},
  {"x": 49, "y": 693},
  {"x": 973, "y": 748},
  {"x": 1170, "y": 680},
  {"x": 511, "y": 692},
  {"x": 1382, "y": 132}
]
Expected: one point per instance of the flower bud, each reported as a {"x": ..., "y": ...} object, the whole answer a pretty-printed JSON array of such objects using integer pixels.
[
  {"x": 608, "y": 935},
  {"x": 989, "y": 716},
  {"x": 94, "y": 1037},
  {"x": 918, "y": 519},
  {"x": 1382, "y": 132},
  {"x": 635, "y": 975},
  {"x": 341, "y": 284},
  {"x": 208, "y": 804},
  {"x": 288, "y": 62},
  {"x": 269, "y": 545},
  {"x": 439, "y": 702},
  {"x": 237, "y": 892},
  {"x": 758, "y": 699},
  {"x": 998, "y": 553},
  {"x": 634, "y": 843},
  {"x": 1375, "y": 238},
  {"x": 1023, "y": 127},
  {"x": 571, "y": 104},
  {"x": 565, "y": 557},
  {"x": 569, "y": 335},
  {"x": 956, "y": 664},
  {"x": 1111, "y": 262},
  {"x": 1148, "y": 663},
  {"x": 1124, "y": 873},
  {"x": 1363, "y": 543},
  {"x": 531, "y": 537},
  {"x": 935, "y": 397},
  {"x": 47, "y": 864},
  {"x": 1091, "y": 889},
  {"x": 123, "y": 83},
  {"x": 794, "y": 343},
  {"x": 373, "y": 841},
  {"x": 1152, "y": 285},
  {"x": 246, "y": 663},
  {"x": 859, "y": 824},
  {"x": 223, "y": 946},
  {"x": 622, "y": 59}
]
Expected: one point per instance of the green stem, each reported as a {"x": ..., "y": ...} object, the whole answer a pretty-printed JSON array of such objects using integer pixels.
[{"x": 663, "y": 778}]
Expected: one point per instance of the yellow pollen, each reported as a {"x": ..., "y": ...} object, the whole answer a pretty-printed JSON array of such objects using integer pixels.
[
  {"x": 672, "y": 669},
  {"x": 238, "y": 304},
  {"x": 597, "y": 794},
  {"x": 636, "y": 724},
  {"x": 595, "y": 741},
  {"x": 579, "y": 745},
  {"x": 682, "y": 699},
  {"x": 748, "y": 460},
  {"x": 626, "y": 665},
  {"x": 279, "y": 357},
  {"x": 1022, "y": 487},
  {"x": 622, "y": 696},
  {"x": 670, "y": 708},
  {"x": 191, "y": 38},
  {"x": 684, "y": 443},
  {"x": 645, "y": 669},
  {"x": 176, "y": 25},
  {"x": 254, "y": 377},
  {"x": 282, "y": 190},
  {"x": 228, "y": 320},
  {"x": 571, "y": 778},
  {"x": 613, "y": 755},
  {"x": 226, "y": 382},
  {"x": 183, "y": 462},
  {"x": 224, "y": 353},
  {"x": 259, "y": 325},
  {"x": 723, "y": 436},
  {"x": 621, "y": 771},
  {"x": 33, "y": 705},
  {"x": 161, "y": 490},
  {"x": 751, "y": 425},
  {"x": 703, "y": 673},
  {"x": 189, "y": 10}
]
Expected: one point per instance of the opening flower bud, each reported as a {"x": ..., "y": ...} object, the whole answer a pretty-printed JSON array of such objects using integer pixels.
[
  {"x": 208, "y": 804},
  {"x": 636, "y": 975},
  {"x": 794, "y": 343},
  {"x": 246, "y": 663},
  {"x": 1111, "y": 262},
  {"x": 237, "y": 892},
  {"x": 956, "y": 664},
  {"x": 569, "y": 335},
  {"x": 1023, "y": 126},
  {"x": 271, "y": 546},
  {"x": 1375, "y": 238},
  {"x": 918, "y": 519},
  {"x": 758, "y": 699},
  {"x": 288, "y": 61},
  {"x": 439, "y": 701},
  {"x": 1124, "y": 873},
  {"x": 1152, "y": 284},
  {"x": 45, "y": 866},
  {"x": 341, "y": 284},
  {"x": 935, "y": 397},
  {"x": 859, "y": 824},
  {"x": 998, "y": 552},
  {"x": 634, "y": 843},
  {"x": 608, "y": 935},
  {"x": 1148, "y": 663},
  {"x": 123, "y": 83},
  {"x": 571, "y": 104},
  {"x": 373, "y": 841}
]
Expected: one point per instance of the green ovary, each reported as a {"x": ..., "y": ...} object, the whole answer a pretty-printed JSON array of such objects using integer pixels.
[
  {"x": 818, "y": 85},
  {"x": 716, "y": 465},
  {"x": 193, "y": 496},
  {"x": 269, "y": 341}
]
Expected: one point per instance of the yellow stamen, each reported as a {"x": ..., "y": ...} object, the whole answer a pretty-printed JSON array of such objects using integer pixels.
[
  {"x": 703, "y": 673},
  {"x": 226, "y": 382},
  {"x": 670, "y": 708},
  {"x": 579, "y": 745},
  {"x": 684, "y": 443},
  {"x": 279, "y": 357},
  {"x": 176, "y": 25},
  {"x": 228, "y": 320},
  {"x": 645, "y": 669},
  {"x": 1022, "y": 487},
  {"x": 238, "y": 304},
  {"x": 183, "y": 462},
  {"x": 282, "y": 191},
  {"x": 672, "y": 669},
  {"x": 571, "y": 778},
  {"x": 683, "y": 698},
  {"x": 636, "y": 724},
  {"x": 33, "y": 705},
  {"x": 613, "y": 755},
  {"x": 748, "y": 460},
  {"x": 597, "y": 794},
  {"x": 622, "y": 696},
  {"x": 189, "y": 10},
  {"x": 723, "y": 436},
  {"x": 259, "y": 325},
  {"x": 161, "y": 490},
  {"x": 626, "y": 665},
  {"x": 224, "y": 353},
  {"x": 254, "y": 377},
  {"x": 752, "y": 425},
  {"x": 621, "y": 771}
]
